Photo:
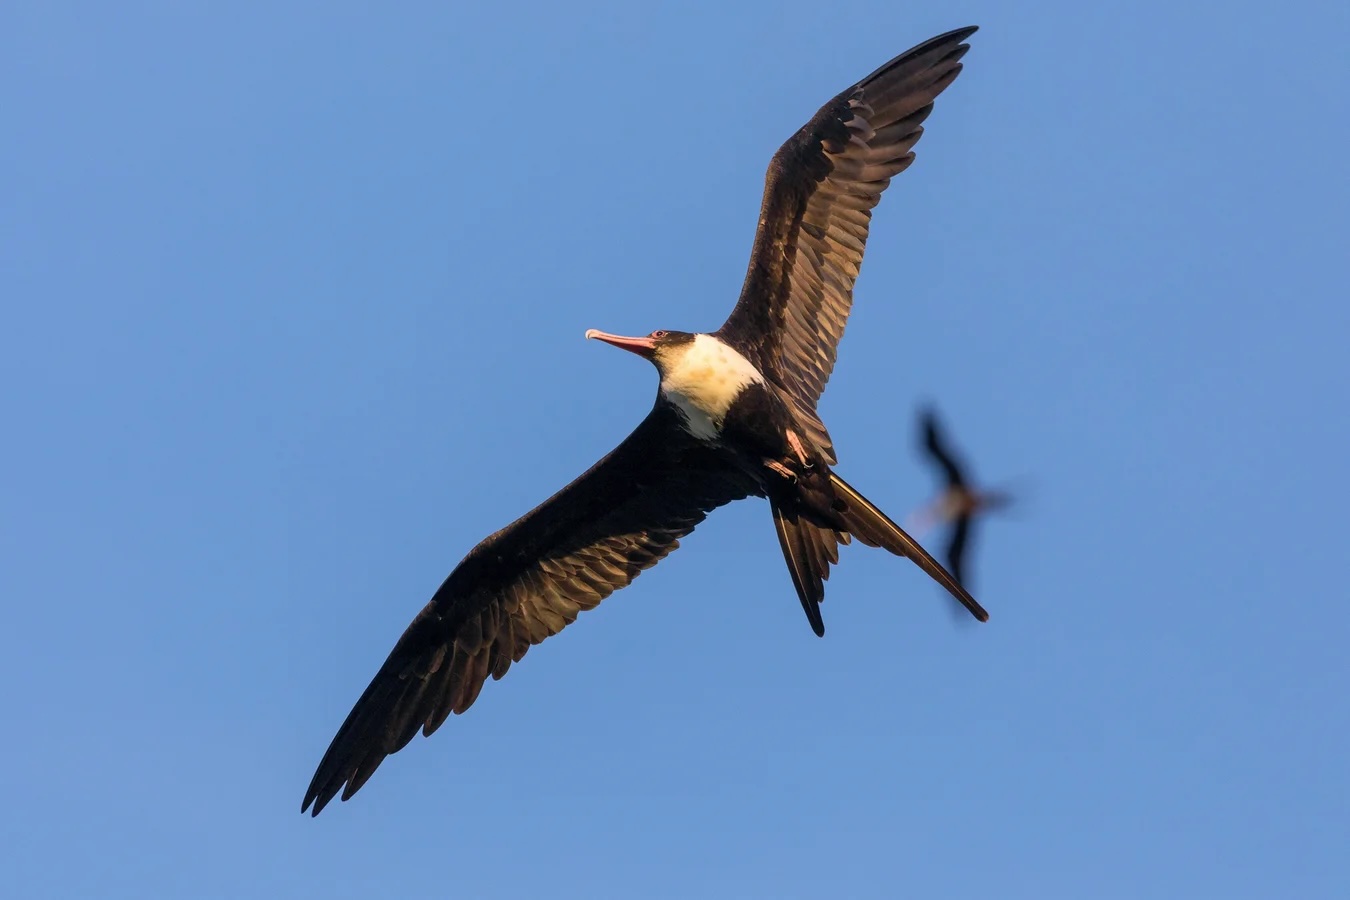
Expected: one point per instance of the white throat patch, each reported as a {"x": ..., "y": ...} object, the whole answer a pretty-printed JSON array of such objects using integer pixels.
[{"x": 705, "y": 381}]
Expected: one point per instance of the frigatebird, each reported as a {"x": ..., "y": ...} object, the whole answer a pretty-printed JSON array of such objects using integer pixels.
[
  {"x": 959, "y": 503},
  {"x": 735, "y": 416}
]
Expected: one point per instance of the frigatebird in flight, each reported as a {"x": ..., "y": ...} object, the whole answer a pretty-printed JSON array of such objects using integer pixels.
[
  {"x": 735, "y": 416},
  {"x": 959, "y": 503}
]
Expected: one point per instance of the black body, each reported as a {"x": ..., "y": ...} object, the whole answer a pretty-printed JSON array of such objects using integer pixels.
[{"x": 532, "y": 578}]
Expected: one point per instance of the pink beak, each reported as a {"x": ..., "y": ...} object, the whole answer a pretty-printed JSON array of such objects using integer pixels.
[{"x": 642, "y": 346}]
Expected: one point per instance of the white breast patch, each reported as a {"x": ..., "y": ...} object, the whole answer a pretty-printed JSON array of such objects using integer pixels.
[{"x": 705, "y": 381}]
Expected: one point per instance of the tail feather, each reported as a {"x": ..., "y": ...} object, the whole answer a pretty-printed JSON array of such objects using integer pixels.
[
  {"x": 871, "y": 526},
  {"x": 809, "y": 550}
]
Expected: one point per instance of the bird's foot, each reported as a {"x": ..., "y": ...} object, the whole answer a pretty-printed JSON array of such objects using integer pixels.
[{"x": 796, "y": 444}]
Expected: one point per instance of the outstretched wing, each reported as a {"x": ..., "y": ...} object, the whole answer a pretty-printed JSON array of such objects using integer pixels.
[
  {"x": 818, "y": 196},
  {"x": 956, "y": 549},
  {"x": 938, "y": 451},
  {"x": 528, "y": 582}
]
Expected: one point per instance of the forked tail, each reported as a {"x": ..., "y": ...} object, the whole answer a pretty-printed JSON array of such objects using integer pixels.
[
  {"x": 809, "y": 550},
  {"x": 872, "y": 526}
]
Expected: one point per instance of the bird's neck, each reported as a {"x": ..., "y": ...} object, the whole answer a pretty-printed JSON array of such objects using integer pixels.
[{"x": 704, "y": 382}]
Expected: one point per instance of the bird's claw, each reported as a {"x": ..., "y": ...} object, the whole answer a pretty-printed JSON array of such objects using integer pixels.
[
  {"x": 781, "y": 469},
  {"x": 796, "y": 444}
]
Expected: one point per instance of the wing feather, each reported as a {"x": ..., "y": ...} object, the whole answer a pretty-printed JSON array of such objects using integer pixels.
[
  {"x": 938, "y": 450},
  {"x": 528, "y": 582},
  {"x": 819, "y": 193}
]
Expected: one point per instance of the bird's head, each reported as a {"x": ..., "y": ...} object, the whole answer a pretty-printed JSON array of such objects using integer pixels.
[{"x": 664, "y": 349}]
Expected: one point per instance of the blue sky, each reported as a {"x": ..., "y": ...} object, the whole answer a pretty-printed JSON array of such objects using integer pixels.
[{"x": 294, "y": 300}]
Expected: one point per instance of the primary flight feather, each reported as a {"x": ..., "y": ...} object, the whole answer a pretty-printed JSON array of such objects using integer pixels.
[{"x": 735, "y": 416}]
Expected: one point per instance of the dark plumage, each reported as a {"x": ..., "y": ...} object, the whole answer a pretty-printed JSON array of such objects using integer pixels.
[
  {"x": 819, "y": 193},
  {"x": 526, "y": 583},
  {"x": 958, "y": 503},
  {"x": 735, "y": 416}
]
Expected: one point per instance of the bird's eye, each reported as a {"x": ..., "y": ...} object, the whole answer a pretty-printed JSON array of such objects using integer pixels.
[{"x": 658, "y": 334}]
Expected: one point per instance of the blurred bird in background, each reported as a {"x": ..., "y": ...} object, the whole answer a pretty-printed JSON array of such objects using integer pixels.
[{"x": 960, "y": 503}]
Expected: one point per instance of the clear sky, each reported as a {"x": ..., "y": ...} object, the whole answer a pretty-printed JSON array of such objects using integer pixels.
[{"x": 293, "y": 307}]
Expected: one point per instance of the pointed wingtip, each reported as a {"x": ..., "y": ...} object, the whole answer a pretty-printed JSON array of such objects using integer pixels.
[
  {"x": 813, "y": 616},
  {"x": 315, "y": 801},
  {"x": 956, "y": 35}
]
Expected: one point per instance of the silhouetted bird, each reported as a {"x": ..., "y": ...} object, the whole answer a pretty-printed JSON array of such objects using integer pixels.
[{"x": 959, "y": 503}]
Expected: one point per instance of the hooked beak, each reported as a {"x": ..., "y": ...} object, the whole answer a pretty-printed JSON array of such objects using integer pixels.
[{"x": 642, "y": 346}]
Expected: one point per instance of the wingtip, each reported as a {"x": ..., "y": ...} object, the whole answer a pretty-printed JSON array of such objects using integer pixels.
[
  {"x": 315, "y": 800},
  {"x": 956, "y": 35},
  {"x": 320, "y": 803},
  {"x": 813, "y": 616}
]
